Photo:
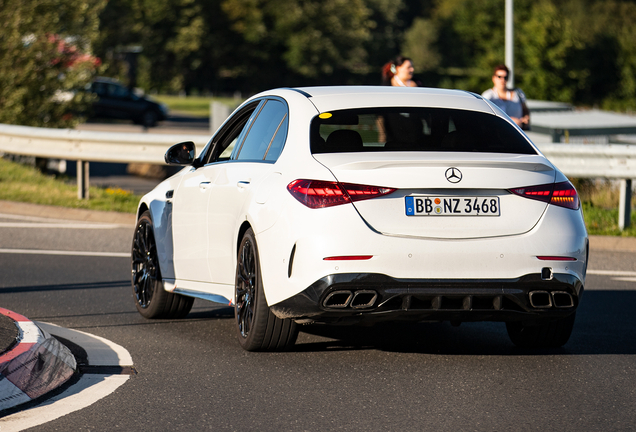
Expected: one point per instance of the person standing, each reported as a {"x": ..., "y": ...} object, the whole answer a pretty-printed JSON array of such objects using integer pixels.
[
  {"x": 511, "y": 101},
  {"x": 398, "y": 73}
]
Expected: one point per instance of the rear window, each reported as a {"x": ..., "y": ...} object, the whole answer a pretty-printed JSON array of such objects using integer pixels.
[{"x": 415, "y": 129}]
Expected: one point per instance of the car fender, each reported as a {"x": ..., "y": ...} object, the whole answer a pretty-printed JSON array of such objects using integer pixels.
[{"x": 159, "y": 203}]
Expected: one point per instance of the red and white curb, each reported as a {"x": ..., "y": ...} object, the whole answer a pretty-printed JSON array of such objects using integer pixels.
[
  {"x": 111, "y": 366},
  {"x": 38, "y": 364}
]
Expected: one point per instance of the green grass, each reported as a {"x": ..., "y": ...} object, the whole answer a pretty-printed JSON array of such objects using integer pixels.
[
  {"x": 23, "y": 183},
  {"x": 197, "y": 106},
  {"x": 601, "y": 221},
  {"x": 600, "y": 207}
]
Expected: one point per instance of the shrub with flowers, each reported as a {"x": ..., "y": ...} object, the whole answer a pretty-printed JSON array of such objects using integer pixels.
[{"x": 45, "y": 60}]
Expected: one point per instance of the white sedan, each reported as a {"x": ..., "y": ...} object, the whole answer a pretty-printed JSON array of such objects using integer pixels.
[{"x": 353, "y": 205}]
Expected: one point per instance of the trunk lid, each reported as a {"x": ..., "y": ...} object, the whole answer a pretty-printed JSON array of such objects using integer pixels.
[{"x": 474, "y": 202}]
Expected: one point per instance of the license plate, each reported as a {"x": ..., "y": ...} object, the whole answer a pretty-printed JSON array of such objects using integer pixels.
[{"x": 452, "y": 206}]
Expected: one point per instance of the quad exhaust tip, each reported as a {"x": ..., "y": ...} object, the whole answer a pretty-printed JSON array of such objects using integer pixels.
[
  {"x": 546, "y": 300},
  {"x": 360, "y": 299}
]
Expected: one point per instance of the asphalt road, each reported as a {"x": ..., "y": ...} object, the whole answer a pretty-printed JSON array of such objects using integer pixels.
[{"x": 192, "y": 374}]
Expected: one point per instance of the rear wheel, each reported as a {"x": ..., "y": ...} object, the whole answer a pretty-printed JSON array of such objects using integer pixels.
[
  {"x": 151, "y": 299},
  {"x": 552, "y": 334},
  {"x": 257, "y": 327}
]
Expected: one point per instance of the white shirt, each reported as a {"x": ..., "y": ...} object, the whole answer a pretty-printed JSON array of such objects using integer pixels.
[{"x": 512, "y": 106}]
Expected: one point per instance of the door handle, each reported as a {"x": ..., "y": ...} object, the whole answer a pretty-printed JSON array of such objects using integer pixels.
[
  {"x": 242, "y": 184},
  {"x": 204, "y": 185}
]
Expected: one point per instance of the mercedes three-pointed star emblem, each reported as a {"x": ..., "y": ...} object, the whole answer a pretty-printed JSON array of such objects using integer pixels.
[{"x": 453, "y": 175}]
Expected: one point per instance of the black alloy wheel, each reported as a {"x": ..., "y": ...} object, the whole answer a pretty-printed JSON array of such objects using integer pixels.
[
  {"x": 151, "y": 299},
  {"x": 245, "y": 288},
  {"x": 257, "y": 327}
]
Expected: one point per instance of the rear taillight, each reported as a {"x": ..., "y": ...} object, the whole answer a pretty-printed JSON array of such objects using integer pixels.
[
  {"x": 560, "y": 194},
  {"x": 319, "y": 193}
]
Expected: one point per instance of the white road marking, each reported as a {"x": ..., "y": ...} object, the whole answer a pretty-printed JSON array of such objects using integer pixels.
[
  {"x": 89, "y": 389},
  {"x": 69, "y": 253},
  {"x": 40, "y": 222},
  {"x": 57, "y": 225},
  {"x": 629, "y": 274},
  {"x": 624, "y": 279}
]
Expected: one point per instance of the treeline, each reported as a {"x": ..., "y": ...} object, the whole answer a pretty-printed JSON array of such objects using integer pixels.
[{"x": 579, "y": 51}]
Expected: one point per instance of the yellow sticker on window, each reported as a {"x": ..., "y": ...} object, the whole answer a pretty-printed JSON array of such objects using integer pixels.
[{"x": 325, "y": 115}]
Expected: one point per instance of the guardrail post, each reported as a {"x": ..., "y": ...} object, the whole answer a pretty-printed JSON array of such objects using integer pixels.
[
  {"x": 625, "y": 204},
  {"x": 82, "y": 179},
  {"x": 219, "y": 113}
]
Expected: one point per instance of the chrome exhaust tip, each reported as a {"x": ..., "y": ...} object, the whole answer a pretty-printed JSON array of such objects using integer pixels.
[
  {"x": 562, "y": 299},
  {"x": 338, "y": 299},
  {"x": 540, "y": 299},
  {"x": 363, "y": 299}
]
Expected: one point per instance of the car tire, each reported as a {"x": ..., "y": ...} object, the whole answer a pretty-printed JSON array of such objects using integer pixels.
[
  {"x": 151, "y": 299},
  {"x": 257, "y": 327},
  {"x": 551, "y": 334},
  {"x": 149, "y": 119}
]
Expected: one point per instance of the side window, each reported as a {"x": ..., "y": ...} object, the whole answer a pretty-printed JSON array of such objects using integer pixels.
[
  {"x": 278, "y": 142},
  {"x": 266, "y": 136},
  {"x": 234, "y": 131}
]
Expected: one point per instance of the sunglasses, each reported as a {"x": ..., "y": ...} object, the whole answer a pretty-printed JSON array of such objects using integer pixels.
[{"x": 504, "y": 77}]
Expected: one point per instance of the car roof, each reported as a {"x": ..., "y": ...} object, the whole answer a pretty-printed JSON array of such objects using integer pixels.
[{"x": 330, "y": 98}]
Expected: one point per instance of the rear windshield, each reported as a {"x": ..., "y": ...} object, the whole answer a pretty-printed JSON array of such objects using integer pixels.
[{"x": 415, "y": 129}]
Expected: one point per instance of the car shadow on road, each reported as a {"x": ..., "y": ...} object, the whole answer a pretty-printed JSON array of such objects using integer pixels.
[{"x": 605, "y": 324}]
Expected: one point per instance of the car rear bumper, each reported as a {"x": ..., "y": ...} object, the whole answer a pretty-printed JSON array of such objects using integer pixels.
[{"x": 350, "y": 298}]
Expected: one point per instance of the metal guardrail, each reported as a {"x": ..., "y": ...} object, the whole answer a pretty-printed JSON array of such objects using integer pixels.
[
  {"x": 85, "y": 146},
  {"x": 616, "y": 161}
]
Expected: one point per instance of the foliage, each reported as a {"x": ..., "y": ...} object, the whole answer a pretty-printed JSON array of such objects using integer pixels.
[
  {"x": 248, "y": 45},
  {"x": 577, "y": 51},
  {"x": 43, "y": 60},
  {"x": 419, "y": 45}
]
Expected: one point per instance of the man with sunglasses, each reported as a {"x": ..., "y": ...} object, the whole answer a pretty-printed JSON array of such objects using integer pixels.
[{"x": 511, "y": 101}]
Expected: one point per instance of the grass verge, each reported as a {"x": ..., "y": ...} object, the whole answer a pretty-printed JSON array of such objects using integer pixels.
[
  {"x": 599, "y": 199},
  {"x": 23, "y": 183},
  {"x": 197, "y": 106}
]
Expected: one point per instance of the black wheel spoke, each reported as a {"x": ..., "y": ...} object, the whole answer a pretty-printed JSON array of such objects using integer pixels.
[
  {"x": 144, "y": 269},
  {"x": 245, "y": 288}
]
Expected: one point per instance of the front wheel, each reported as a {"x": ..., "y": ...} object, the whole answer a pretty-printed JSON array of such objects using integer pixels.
[
  {"x": 151, "y": 299},
  {"x": 257, "y": 327},
  {"x": 551, "y": 334}
]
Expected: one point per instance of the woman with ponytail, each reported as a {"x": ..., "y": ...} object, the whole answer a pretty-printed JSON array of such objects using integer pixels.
[{"x": 398, "y": 73}]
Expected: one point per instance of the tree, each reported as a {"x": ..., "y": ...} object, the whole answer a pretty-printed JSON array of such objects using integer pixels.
[
  {"x": 316, "y": 37},
  {"x": 44, "y": 63},
  {"x": 550, "y": 46}
]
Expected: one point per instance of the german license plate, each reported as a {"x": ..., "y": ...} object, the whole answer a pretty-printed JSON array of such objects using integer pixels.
[{"x": 452, "y": 206}]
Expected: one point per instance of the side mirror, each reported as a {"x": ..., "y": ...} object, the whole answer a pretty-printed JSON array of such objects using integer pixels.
[{"x": 180, "y": 154}]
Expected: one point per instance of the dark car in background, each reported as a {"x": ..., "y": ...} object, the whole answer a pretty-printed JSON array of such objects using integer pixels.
[{"x": 117, "y": 101}]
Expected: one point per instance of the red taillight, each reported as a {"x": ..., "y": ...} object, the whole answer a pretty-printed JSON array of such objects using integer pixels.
[
  {"x": 349, "y": 258},
  {"x": 555, "y": 258},
  {"x": 319, "y": 193},
  {"x": 560, "y": 194}
]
